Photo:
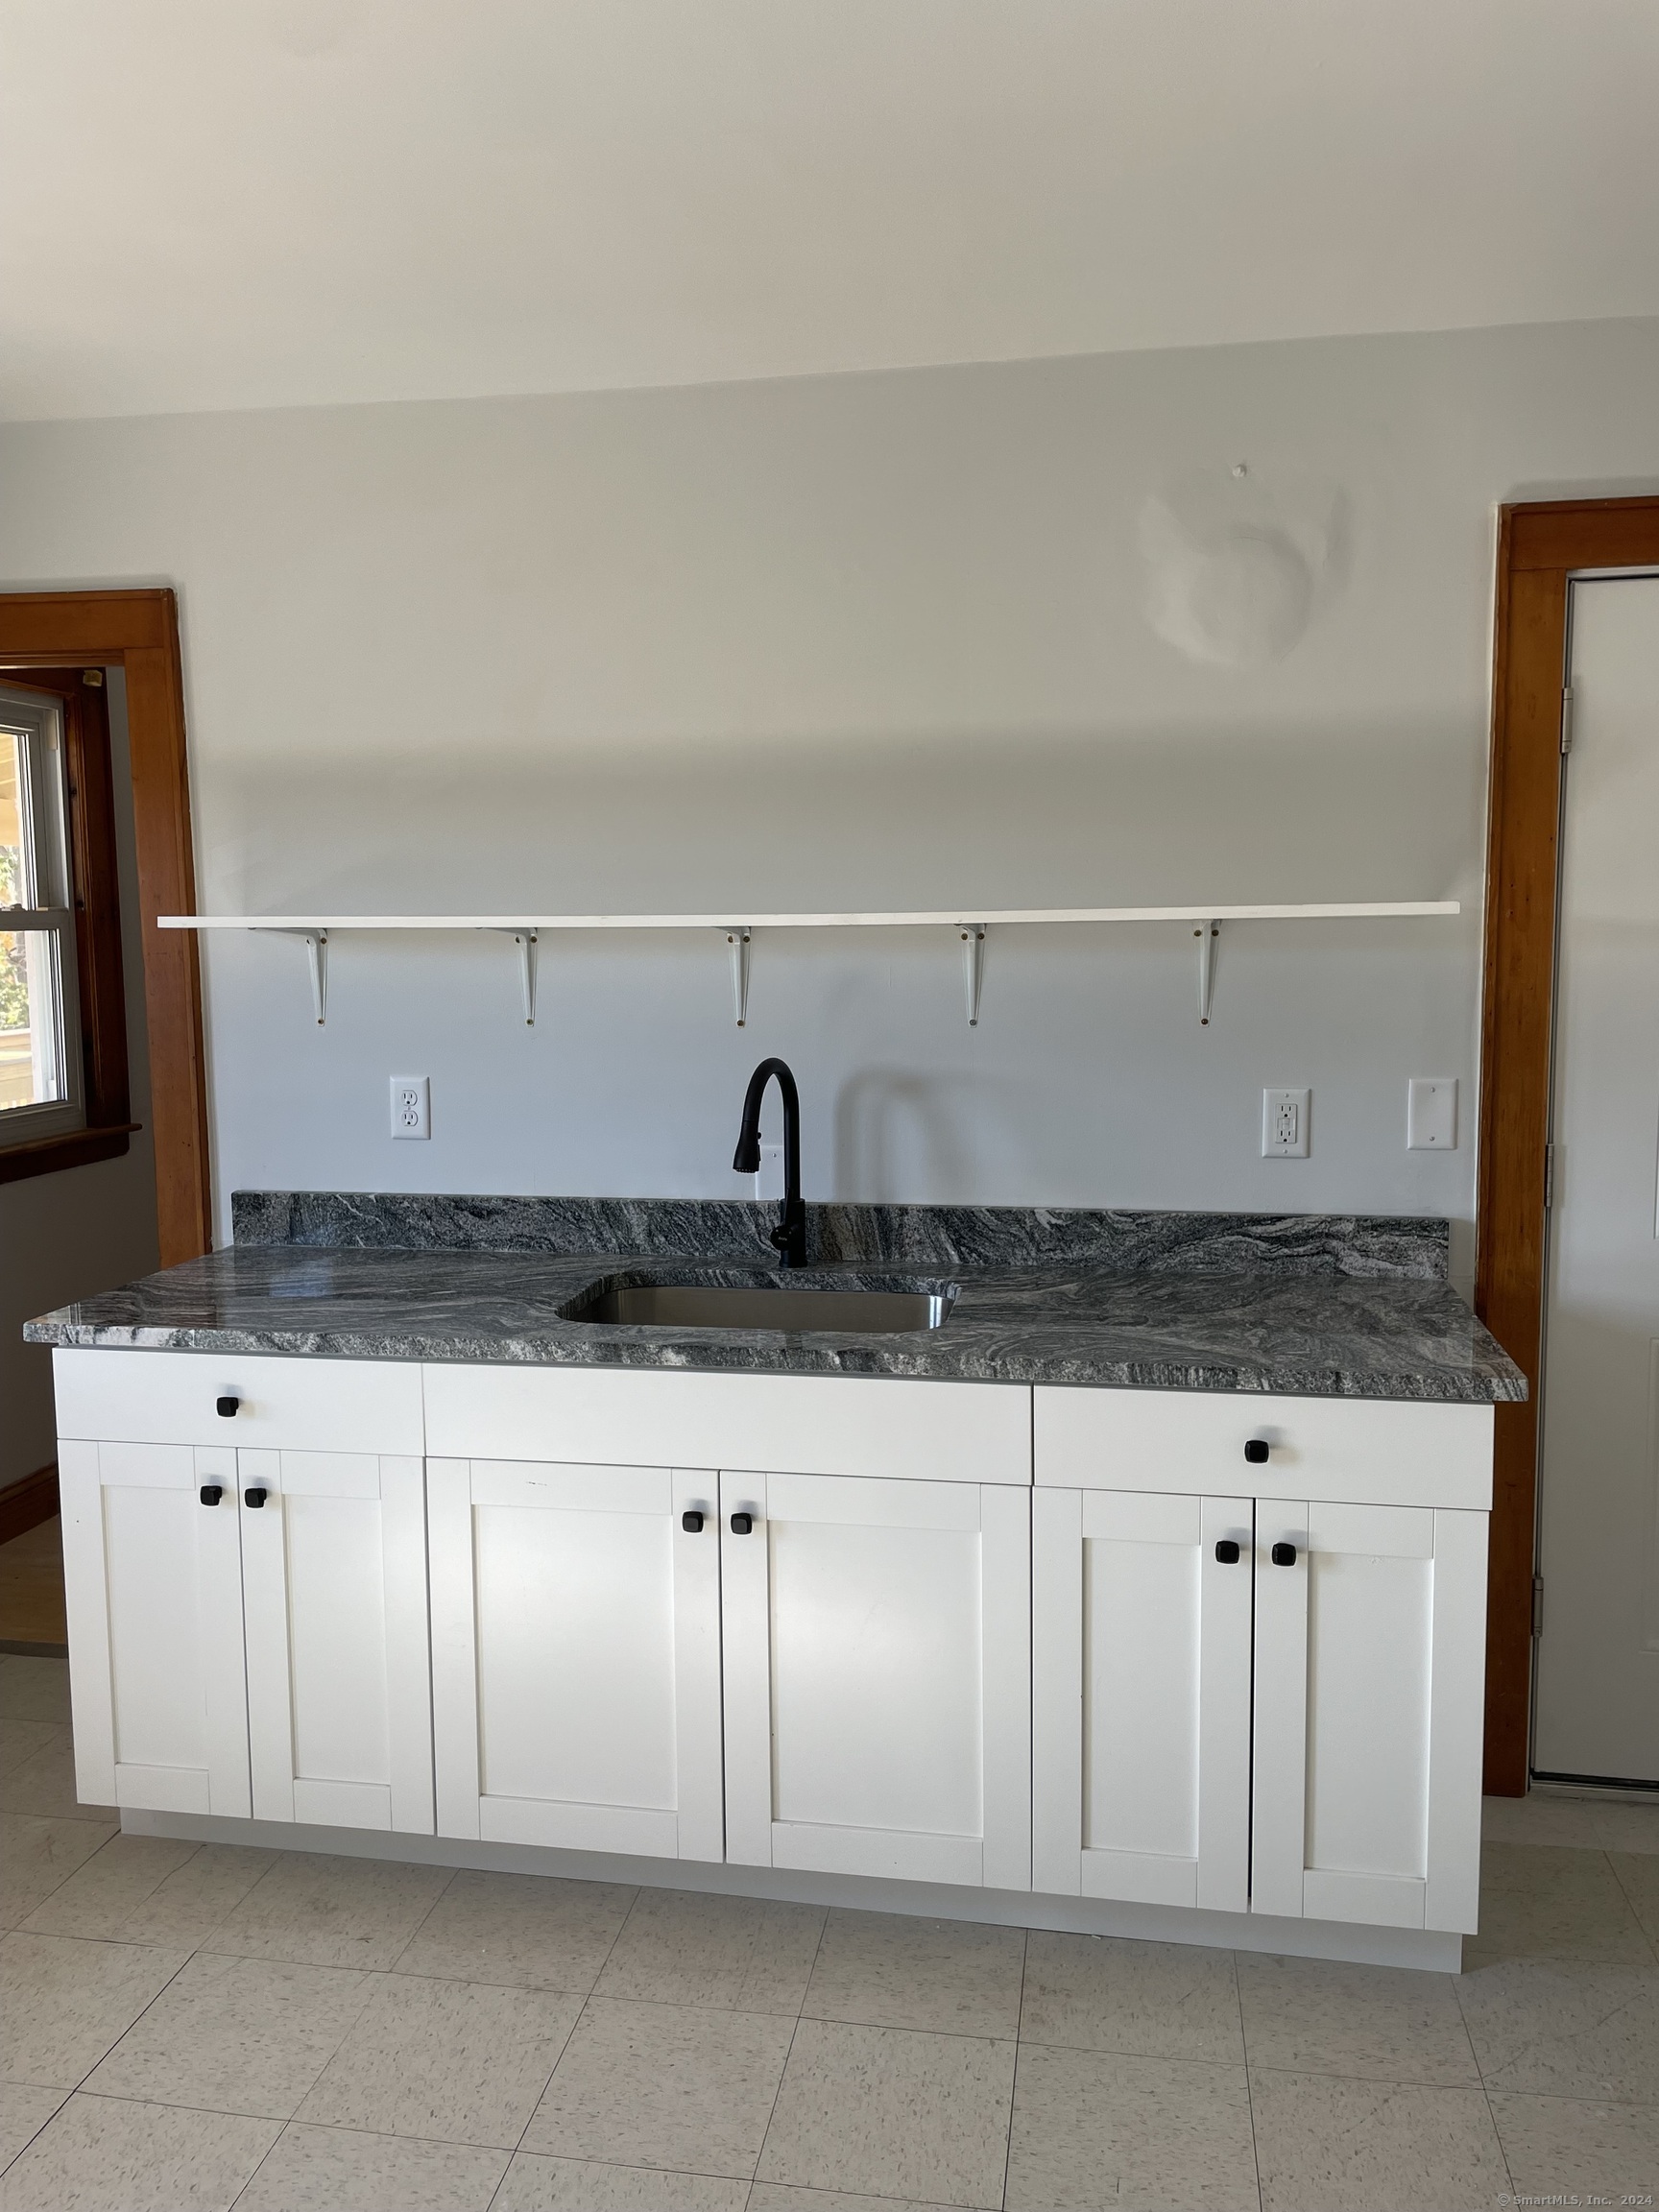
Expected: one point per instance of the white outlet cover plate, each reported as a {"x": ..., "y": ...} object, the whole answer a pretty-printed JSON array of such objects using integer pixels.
[
  {"x": 411, "y": 1106},
  {"x": 1432, "y": 1113},
  {"x": 1285, "y": 1116}
]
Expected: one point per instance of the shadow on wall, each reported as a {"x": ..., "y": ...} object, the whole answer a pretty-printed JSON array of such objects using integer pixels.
[
  {"x": 897, "y": 1131},
  {"x": 1000, "y": 820}
]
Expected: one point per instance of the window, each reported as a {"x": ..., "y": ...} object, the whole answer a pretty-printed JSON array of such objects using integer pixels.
[
  {"x": 40, "y": 1029},
  {"x": 63, "y": 1098}
]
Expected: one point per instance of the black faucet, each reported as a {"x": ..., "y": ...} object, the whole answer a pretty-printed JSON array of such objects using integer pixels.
[{"x": 790, "y": 1234}]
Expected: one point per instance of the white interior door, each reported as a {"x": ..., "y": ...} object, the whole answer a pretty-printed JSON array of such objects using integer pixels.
[
  {"x": 878, "y": 1676},
  {"x": 576, "y": 1655},
  {"x": 1140, "y": 1696},
  {"x": 152, "y": 1574},
  {"x": 1370, "y": 1645},
  {"x": 334, "y": 1597},
  {"x": 1597, "y": 1701}
]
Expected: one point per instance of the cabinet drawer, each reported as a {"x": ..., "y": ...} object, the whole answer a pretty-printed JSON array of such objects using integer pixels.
[
  {"x": 778, "y": 1424},
  {"x": 1364, "y": 1452},
  {"x": 283, "y": 1405}
]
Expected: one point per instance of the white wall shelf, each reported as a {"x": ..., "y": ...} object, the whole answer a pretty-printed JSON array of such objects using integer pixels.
[{"x": 526, "y": 930}]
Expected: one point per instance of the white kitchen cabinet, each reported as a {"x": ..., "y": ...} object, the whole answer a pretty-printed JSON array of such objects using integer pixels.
[
  {"x": 259, "y": 1401},
  {"x": 334, "y": 1605},
  {"x": 153, "y": 1580},
  {"x": 1369, "y": 1452},
  {"x": 1370, "y": 1636},
  {"x": 669, "y": 1417},
  {"x": 576, "y": 1655},
  {"x": 1313, "y": 1755},
  {"x": 1140, "y": 1696},
  {"x": 891, "y": 1656},
  {"x": 877, "y": 1650}
]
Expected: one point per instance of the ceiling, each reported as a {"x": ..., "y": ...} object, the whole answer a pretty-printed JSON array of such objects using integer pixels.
[{"x": 228, "y": 203}]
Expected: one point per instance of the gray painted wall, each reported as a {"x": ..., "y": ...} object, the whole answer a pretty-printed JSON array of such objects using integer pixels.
[{"x": 928, "y": 638}]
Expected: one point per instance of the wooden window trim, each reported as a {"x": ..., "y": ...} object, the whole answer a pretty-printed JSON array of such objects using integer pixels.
[
  {"x": 95, "y": 892},
  {"x": 1539, "y": 546},
  {"x": 68, "y": 1148},
  {"x": 138, "y": 632}
]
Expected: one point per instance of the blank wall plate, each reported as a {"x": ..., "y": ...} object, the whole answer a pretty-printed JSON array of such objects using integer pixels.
[
  {"x": 1432, "y": 1113},
  {"x": 1284, "y": 1124},
  {"x": 411, "y": 1106}
]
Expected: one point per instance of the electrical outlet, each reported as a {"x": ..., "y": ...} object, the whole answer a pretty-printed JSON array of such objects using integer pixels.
[
  {"x": 1284, "y": 1124},
  {"x": 411, "y": 1106},
  {"x": 1432, "y": 1113}
]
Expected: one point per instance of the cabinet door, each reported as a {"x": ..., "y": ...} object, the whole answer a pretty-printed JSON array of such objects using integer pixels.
[
  {"x": 878, "y": 1676},
  {"x": 153, "y": 1580},
  {"x": 1141, "y": 1697},
  {"x": 576, "y": 1656},
  {"x": 1369, "y": 1667},
  {"x": 334, "y": 1594}
]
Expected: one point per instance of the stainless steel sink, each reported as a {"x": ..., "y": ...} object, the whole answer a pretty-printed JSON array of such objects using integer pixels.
[{"x": 760, "y": 1306}]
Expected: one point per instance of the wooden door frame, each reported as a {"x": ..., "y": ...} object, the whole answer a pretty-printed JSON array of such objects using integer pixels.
[
  {"x": 1541, "y": 546},
  {"x": 139, "y": 632}
]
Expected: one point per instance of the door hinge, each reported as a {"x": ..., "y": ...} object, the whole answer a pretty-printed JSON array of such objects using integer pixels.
[
  {"x": 1567, "y": 718},
  {"x": 1549, "y": 1177},
  {"x": 1537, "y": 1604}
]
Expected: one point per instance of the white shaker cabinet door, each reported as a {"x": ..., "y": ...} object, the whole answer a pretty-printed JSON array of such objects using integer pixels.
[
  {"x": 576, "y": 1655},
  {"x": 334, "y": 1594},
  {"x": 152, "y": 1573},
  {"x": 877, "y": 1643},
  {"x": 1370, "y": 1633},
  {"x": 1140, "y": 1696}
]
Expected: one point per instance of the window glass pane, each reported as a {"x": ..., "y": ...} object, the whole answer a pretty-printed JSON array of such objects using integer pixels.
[
  {"x": 31, "y": 1069},
  {"x": 17, "y": 887}
]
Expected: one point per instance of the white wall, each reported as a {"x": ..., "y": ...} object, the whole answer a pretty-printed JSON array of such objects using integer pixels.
[
  {"x": 83, "y": 1229},
  {"x": 872, "y": 641}
]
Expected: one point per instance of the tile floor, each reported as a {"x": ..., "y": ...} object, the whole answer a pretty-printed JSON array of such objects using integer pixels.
[{"x": 201, "y": 2027}]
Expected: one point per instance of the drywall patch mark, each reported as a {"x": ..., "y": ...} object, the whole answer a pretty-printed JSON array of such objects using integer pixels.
[{"x": 1236, "y": 569}]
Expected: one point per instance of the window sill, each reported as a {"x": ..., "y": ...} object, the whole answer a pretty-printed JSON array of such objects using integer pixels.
[{"x": 71, "y": 1148}]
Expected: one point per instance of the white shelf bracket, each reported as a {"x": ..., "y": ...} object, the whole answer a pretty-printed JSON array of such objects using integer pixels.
[
  {"x": 738, "y": 942},
  {"x": 526, "y": 941},
  {"x": 973, "y": 935},
  {"x": 316, "y": 943},
  {"x": 1206, "y": 933}
]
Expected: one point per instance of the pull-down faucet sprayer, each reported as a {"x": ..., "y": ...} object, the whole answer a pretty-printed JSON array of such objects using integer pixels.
[{"x": 790, "y": 1234}]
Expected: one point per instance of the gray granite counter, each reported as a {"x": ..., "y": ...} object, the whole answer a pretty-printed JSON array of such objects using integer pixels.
[{"x": 1321, "y": 1306}]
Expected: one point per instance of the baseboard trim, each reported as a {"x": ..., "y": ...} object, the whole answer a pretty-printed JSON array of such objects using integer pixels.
[
  {"x": 1359, "y": 1945},
  {"x": 25, "y": 1504}
]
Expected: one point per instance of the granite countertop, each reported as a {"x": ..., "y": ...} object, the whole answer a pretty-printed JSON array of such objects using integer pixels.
[{"x": 1316, "y": 1305}]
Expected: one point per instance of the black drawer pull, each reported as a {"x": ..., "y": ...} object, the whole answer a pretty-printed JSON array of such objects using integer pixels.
[
  {"x": 227, "y": 1405},
  {"x": 742, "y": 1523},
  {"x": 1226, "y": 1552},
  {"x": 212, "y": 1493},
  {"x": 255, "y": 1496},
  {"x": 1284, "y": 1554},
  {"x": 1255, "y": 1452},
  {"x": 692, "y": 1522}
]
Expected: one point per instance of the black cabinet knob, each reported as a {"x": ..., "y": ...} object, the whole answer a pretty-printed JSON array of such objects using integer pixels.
[
  {"x": 1255, "y": 1452},
  {"x": 227, "y": 1405},
  {"x": 255, "y": 1496},
  {"x": 692, "y": 1522},
  {"x": 212, "y": 1493},
  {"x": 742, "y": 1524},
  {"x": 1226, "y": 1552},
  {"x": 1284, "y": 1554}
]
